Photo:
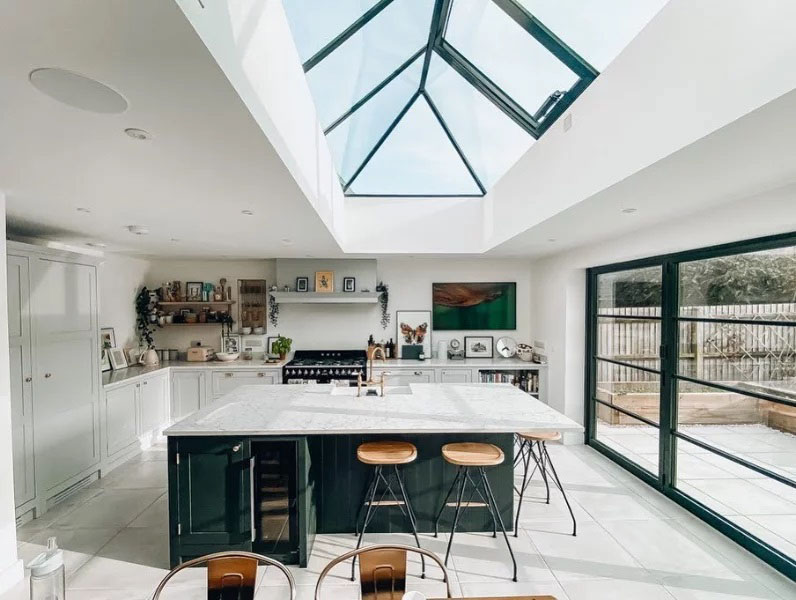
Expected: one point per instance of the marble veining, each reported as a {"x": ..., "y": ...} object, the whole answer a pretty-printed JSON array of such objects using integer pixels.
[{"x": 430, "y": 408}]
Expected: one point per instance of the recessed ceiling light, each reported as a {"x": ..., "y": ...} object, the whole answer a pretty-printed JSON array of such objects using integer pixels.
[
  {"x": 83, "y": 209},
  {"x": 96, "y": 244},
  {"x": 248, "y": 213},
  {"x": 138, "y": 134},
  {"x": 138, "y": 229},
  {"x": 175, "y": 239},
  {"x": 286, "y": 241},
  {"x": 629, "y": 210},
  {"x": 551, "y": 239},
  {"x": 77, "y": 90}
]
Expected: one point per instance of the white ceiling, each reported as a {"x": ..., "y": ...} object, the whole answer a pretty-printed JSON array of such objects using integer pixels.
[{"x": 207, "y": 160}]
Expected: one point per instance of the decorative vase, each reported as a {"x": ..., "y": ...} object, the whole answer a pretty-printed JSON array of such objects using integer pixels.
[{"x": 149, "y": 358}]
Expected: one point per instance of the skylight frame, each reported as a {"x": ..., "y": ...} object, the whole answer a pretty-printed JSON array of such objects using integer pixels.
[{"x": 535, "y": 125}]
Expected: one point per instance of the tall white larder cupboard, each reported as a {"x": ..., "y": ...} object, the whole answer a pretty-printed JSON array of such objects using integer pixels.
[{"x": 56, "y": 379}]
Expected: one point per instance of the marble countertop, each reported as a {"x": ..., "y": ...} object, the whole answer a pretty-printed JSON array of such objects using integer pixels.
[
  {"x": 113, "y": 378},
  {"x": 429, "y": 408}
]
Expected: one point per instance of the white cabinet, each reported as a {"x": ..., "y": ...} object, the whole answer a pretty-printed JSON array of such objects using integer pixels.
[
  {"x": 153, "y": 407},
  {"x": 455, "y": 376},
  {"x": 188, "y": 392},
  {"x": 226, "y": 381},
  {"x": 19, "y": 342},
  {"x": 406, "y": 376},
  {"x": 121, "y": 418}
]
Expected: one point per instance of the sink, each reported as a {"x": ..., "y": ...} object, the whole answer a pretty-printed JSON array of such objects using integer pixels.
[{"x": 389, "y": 390}]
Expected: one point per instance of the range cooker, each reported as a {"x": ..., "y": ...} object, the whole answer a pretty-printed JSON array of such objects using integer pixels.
[{"x": 325, "y": 366}]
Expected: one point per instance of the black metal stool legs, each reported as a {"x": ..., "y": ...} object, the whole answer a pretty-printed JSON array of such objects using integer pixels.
[
  {"x": 558, "y": 484},
  {"x": 373, "y": 504},
  {"x": 488, "y": 501}
]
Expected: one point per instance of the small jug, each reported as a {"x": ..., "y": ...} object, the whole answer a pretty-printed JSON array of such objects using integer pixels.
[{"x": 149, "y": 358}]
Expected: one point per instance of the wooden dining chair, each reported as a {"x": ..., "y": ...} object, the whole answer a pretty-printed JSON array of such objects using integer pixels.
[
  {"x": 382, "y": 570},
  {"x": 231, "y": 575}
]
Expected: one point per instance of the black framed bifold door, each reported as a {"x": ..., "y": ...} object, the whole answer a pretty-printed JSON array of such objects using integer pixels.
[{"x": 691, "y": 383}]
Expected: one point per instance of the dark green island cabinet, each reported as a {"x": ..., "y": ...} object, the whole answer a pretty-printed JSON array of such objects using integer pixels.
[{"x": 272, "y": 494}]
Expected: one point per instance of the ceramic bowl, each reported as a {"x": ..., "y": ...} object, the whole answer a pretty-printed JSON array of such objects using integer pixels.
[
  {"x": 246, "y": 330},
  {"x": 227, "y": 356}
]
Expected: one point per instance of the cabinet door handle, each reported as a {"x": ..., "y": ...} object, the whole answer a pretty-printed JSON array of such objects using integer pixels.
[
  {"x": 236, "y": 447},
  {"x": 251, "y": 499},
  {"x": 260, "y": 374},
  {"x": 28, "y": 379},
  {"x": 146, "y": 382},
  {"x": 418, "y": 372},
  {"x": 48, "y": 375},
  {"x": 227, "y": 374}
]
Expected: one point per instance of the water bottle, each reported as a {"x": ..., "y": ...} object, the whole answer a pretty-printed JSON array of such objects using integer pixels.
[{"x": 47, "y": 575}]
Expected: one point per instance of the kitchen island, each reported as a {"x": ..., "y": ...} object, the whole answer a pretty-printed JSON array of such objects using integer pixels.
[{"x": 267, "y": 467}]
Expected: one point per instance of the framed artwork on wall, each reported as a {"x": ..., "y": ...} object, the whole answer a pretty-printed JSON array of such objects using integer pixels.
[
  {"x": 302, "y": 284},
  {"x": 349, "y": 284},
  {"x": 413, "y": 332},
  {"x": 324, "y": 281},
  {"x": 474, "y": 306}
]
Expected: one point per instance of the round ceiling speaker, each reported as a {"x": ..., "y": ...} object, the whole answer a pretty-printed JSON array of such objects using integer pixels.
[{"x": 77, "y": 90}]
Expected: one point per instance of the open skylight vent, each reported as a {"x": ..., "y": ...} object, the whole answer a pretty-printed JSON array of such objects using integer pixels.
[{"x": 442, "y": 97}]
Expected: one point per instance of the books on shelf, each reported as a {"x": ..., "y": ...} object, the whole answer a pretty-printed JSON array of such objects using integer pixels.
[{"x": 527, "y": 381}]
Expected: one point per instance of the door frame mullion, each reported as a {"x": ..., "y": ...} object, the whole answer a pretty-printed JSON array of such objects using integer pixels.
[{"x": 667, "y": 466}]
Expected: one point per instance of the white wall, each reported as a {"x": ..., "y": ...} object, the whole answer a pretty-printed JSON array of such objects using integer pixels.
[
  {"x": 346, "y": 326},
  {"x": 10, "y": 566},
  {"x": 558, "y": 293},
  {"x": 120, "y": 279}
]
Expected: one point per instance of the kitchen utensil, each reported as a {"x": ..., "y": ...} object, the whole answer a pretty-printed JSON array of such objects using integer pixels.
[
  {"x": 246, "y": 330},
  {"x": 174, "y": 354},
  {"x": 524, "y": 352},
  {"x": 227, "y": 356},
  {"x": 259, "y": 330},
  {"x": 149, "y": 358},
  {"x": 506, "y": 347}
]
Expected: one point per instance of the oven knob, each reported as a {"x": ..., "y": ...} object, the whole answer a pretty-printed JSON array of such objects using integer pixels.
[
  {"x": 288, "y": 372},
  {"x": 311, "y": 371}
]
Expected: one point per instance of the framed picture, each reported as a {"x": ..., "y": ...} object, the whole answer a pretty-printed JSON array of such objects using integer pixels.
[
  {"x": 107, "y": 337},
  {"x": 324, "y": 281},
  {"x": 413, "y": 329},
  {"x": 133, "y": 355},
  {"x": 269, "y": 343},
  {"x": 470, "y": 306},
  {"x": 230, "y": 343},
  {"x": 105, "y": 363},
  {"x": 478, "y": 346},
  {"x": 117, "y": 357},
  {"x": 349, "y": 284},
  {"x": 193, "y": 291},
  {"x": 302, "y": 284}
]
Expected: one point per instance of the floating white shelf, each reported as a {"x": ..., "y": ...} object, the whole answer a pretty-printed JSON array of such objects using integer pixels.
[{"x": 325, "y": 297}]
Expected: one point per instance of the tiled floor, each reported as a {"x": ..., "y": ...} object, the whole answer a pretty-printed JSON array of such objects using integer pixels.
[
  {"x": 755, "y": 502},
  {"x": 632, "y": 543}
]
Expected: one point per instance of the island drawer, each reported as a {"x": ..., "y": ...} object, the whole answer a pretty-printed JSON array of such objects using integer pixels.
[{"x": 406, "y": 376}]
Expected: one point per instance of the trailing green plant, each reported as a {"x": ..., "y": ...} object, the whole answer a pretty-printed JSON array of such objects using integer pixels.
[
  {"x": 384, "y": 301},
  {"x": 144, "y": 309},
  {"x": 273, "y": 310},
  {"x": 281, "y": 345}
]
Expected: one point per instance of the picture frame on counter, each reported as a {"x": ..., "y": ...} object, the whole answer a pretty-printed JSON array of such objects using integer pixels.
[
  {"x": 269, "y": 344},
  {"x": 302, "y": 284},
  {"x": 349, "y": 284},
  {"x": 479, "y": 346},
  {"x": 230, "y": 343},
  {"x": 413, "y": 332},
  {"x": 107, "y": 341},
  {"x": 324, "y": 281},
  {"x": 133, "y": 355},
  {"x": 117, "y": 358},
  {"x": 193, "y": 291}
]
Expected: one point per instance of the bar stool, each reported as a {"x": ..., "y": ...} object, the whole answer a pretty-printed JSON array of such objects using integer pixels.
[
  {"x": 478, "y": 456},
  {"x": 543, "y": 464},
  {"x": 386, "y": 454}
]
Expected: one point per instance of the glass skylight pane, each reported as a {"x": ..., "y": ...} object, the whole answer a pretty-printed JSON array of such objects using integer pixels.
[
  {"x": 351, "y": 141},
  {"x": 598, "y": 30},
  {"x": 315, "y": 23},
  {"x": 506, "y": 53},
  {"x": 369, "y": 57},
  {"x": 416, "y": 159},
  {"x": 489, "y": 139}
]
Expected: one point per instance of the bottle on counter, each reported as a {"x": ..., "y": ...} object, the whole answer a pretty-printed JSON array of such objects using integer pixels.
[
  {"x": 47, "y": 575},
  {"x": 391, "y": 346}
]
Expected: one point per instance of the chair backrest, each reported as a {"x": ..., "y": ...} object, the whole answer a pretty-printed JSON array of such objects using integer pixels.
[
  {"x": 228, "y": 571},
  {"x": 382, "y": 570}
]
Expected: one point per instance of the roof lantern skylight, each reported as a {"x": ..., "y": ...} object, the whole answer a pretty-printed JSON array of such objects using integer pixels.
[{"x": 442, "y": 97}]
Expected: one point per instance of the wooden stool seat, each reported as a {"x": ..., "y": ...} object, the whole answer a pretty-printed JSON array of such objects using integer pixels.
[
  {"x": 386, "y": 453},
  {"x": 472, "y": 454},
  {"x": 540, "y": 436}
]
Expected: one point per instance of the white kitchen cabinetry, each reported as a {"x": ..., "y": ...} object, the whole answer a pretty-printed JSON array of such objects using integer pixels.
[
  {"x": 121, "y": 418},
  {"x": 226, "y": 381},
  {"x": 153, "y": 404},
  {"x": 455, "y": 376},
  {"x": 188, "y": 392},
  {"x": 406, "y": 376},
  {"x": 55, "y": 387},
  {"x": 19, "y": 341}
]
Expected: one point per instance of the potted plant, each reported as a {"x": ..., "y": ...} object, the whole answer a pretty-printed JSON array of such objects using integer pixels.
[
  {"x": 281, "y": 346},
  {"x": 145, "y": 310}
]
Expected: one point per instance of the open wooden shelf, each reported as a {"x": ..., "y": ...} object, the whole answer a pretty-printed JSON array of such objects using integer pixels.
[{"x": 325, "y": 297}]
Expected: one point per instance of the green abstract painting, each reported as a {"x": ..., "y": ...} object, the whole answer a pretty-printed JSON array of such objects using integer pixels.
[{"x": 473, "y": 306}]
